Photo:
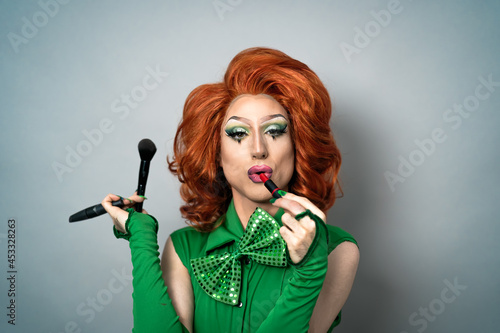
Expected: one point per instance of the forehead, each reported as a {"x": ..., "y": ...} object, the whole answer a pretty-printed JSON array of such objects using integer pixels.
[{"x": 254, "y": 107}]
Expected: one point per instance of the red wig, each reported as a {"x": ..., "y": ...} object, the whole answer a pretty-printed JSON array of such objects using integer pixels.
[{"x": 197, "y": 141}]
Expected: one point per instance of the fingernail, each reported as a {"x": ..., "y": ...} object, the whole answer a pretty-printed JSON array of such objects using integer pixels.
[
  {"x": 272, "y": 200},
  {"x": 143, "y": 197},
  {"x": 282, "y": 193}
]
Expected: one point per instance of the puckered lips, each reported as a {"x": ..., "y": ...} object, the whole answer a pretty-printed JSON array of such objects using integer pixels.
[{"x": 253, "y": 172}]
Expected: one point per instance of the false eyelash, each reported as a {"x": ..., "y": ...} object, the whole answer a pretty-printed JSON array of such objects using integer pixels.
[
  {"x": 236, "y": 134},
  {"x": 276, "y": 132}
]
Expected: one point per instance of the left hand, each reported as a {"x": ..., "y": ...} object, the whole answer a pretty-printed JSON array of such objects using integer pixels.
[
  {"x": 298, "y": 235},
  {"x": 120, "y": 215}
]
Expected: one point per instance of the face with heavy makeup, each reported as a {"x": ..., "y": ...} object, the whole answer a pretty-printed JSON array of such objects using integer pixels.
[{"x": 255, "y": 138}]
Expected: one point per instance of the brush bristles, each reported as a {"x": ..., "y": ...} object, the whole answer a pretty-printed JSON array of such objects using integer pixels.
[{"x": 147, "y": 149}]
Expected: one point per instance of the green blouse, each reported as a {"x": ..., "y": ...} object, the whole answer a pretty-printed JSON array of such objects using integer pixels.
[{"x": 271, "y": 298}]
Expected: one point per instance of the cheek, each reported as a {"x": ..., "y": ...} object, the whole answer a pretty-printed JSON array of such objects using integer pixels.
[
  {"x": 286, "y": 157},
  {"x": 288, "y": 149},
  {"x": 225, "y": 149},
  {"x": 230, "y": 154},
  {"x": 290, "y": 162}
]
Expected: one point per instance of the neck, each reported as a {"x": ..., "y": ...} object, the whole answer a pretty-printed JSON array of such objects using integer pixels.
[{"x": 245, "y": 207}]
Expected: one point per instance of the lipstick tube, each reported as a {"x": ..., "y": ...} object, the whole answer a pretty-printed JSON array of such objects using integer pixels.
[{"x": 270, "y": 185}]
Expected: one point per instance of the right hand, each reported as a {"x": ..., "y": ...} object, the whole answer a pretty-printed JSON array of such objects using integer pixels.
[
  {"x": 117, "y": 214},
  {"x": 298, "y": 235}
]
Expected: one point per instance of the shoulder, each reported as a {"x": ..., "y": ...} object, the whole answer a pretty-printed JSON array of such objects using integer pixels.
[
  {"x": 343, "y": 260},
  {"x": 337, "y": 236},
  {"x": 343, "y": 251}
]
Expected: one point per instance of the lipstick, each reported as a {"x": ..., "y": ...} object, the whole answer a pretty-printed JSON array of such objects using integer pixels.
[
  {"x": 270, "y": 185},
  {"x": 253, "y": 172}
]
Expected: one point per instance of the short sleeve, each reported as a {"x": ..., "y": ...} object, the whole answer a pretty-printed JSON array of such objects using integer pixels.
[{"x": 337, "y": 236}]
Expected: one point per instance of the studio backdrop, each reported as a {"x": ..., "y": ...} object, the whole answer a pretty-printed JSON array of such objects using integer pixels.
[{"x": 416, "y": 93}]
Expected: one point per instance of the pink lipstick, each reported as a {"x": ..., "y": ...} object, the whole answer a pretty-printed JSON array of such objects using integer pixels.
[
  {"x": 270, "y": 185},
  {"x": 256, "y": 170}
]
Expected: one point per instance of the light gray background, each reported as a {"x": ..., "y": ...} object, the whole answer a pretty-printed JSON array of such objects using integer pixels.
[{"x": 439, "y": 226}]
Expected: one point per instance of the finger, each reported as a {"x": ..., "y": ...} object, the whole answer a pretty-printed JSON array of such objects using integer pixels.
[
  {"x": 127, "y": 202},
  {"x": 289, "y": 222},
  {"x": 132, "y": 200},
  {"x": 286, "y": 234},
  {"x": 118, "y": 215},
  {"x": 306, "y": 204},
  {"x": 290, "y": 206},
  {"x": 299, "y": 228},
  {"x": 136, "y": 198},
  {"x": 108, "y": 200}
]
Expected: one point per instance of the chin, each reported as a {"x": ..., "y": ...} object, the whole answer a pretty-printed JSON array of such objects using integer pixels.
[
  {"x": 264, "y": 198},
  {"x": 259, "y": 196}
]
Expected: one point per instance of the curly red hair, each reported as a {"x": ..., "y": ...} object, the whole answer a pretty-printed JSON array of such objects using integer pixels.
[{"x": 197, "y": 141}]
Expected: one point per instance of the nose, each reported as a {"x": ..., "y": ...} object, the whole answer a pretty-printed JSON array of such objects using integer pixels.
[{"x": 259, "y": 149}]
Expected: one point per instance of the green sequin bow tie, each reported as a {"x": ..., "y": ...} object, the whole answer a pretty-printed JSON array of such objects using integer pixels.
[{"x": 220, "y": 274}]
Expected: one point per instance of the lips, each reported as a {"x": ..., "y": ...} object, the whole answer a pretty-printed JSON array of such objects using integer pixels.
[{"x": 253, "y": 172}]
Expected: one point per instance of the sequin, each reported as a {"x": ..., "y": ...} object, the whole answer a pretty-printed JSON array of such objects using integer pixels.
[{"x": 219, "y": 274}]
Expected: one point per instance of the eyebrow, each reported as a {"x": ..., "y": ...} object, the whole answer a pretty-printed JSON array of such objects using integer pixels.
[{"x": 266, "y": 118}]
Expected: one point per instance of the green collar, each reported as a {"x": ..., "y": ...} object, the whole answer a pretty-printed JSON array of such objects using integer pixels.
[{"x": 231, "y": 229}]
